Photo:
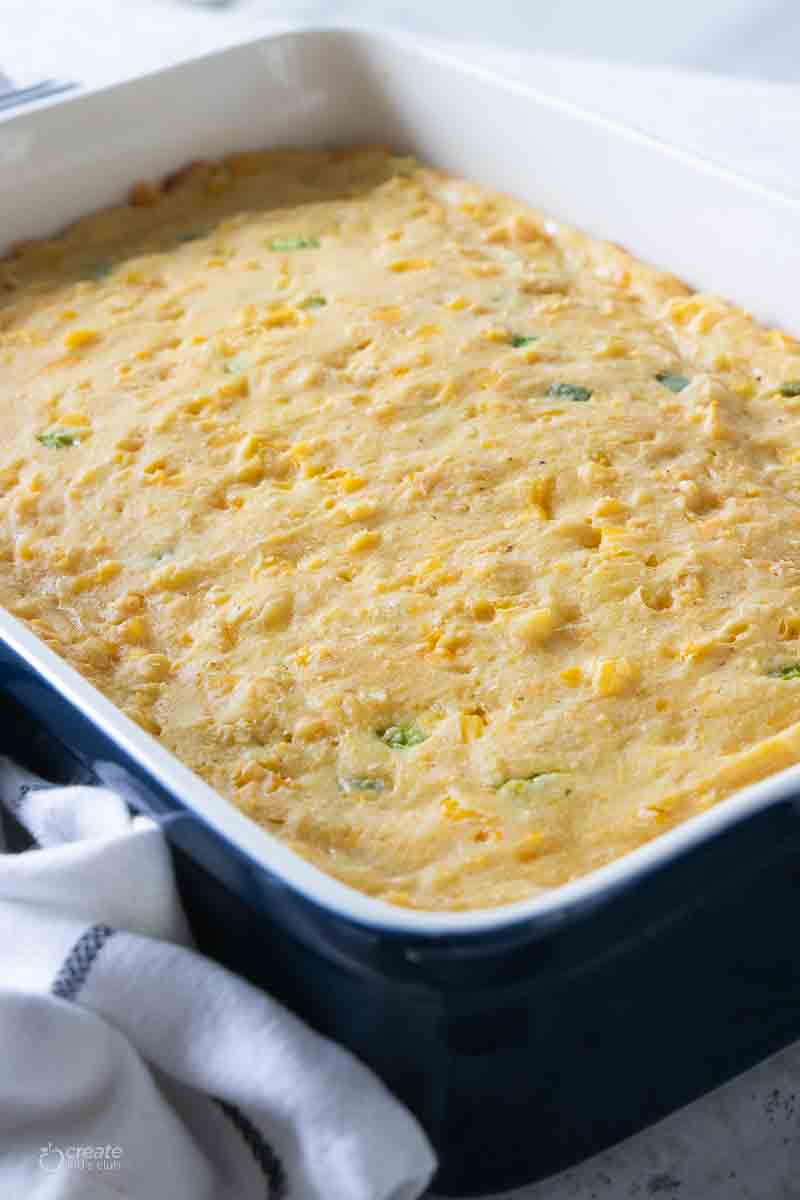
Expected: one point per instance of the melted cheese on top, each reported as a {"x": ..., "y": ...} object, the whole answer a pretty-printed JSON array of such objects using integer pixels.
[{"x": 458, "y": 549}]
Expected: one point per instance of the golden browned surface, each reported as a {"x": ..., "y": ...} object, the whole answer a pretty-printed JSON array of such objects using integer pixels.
[{"x": 312, "y": 447}]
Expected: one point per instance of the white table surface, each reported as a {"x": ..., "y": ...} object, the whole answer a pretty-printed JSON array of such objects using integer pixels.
[{"x": 742, "y": 1142}]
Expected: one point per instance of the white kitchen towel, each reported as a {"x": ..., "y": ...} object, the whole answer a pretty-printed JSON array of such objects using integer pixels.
[{"x": 132, "y": 1066}]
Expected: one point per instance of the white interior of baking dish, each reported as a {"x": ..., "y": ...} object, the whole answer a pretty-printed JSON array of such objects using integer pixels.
[{"x": 711, "y": 227}]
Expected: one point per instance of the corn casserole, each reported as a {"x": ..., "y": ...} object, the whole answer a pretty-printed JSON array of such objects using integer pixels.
[{"x": 455, "y": 547}]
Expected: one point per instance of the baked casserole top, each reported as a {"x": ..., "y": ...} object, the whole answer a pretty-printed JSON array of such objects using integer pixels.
[{"x": 458, "y": 549}]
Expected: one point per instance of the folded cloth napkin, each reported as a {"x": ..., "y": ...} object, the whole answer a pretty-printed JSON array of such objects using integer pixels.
[{"x": 132, "y": 1066}]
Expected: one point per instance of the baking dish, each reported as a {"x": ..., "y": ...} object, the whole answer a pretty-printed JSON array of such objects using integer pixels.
[{"x": 528, "y": 1036}]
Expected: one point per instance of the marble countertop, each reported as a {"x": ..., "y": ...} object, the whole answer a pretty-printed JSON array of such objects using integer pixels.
[{"x": 743, "y": 1141}]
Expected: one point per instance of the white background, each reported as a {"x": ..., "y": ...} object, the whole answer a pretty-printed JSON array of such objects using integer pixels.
[
  {"x": 650, "y": 64},
  {"x": 741, "y": 37}
]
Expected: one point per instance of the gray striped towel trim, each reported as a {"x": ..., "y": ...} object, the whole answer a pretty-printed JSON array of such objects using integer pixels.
[
  {"x": 271, "y": 1166},
  {"x": 78, "y": 963},
  {"x": 69, "y": 981}
]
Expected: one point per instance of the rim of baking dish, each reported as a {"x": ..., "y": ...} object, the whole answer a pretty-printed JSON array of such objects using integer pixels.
[
  {"x": 264, "y": 849},
  {"x": 422, "y": 48}
]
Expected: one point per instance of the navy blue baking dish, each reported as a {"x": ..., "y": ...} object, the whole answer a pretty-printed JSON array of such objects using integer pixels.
[{"x": 528, "y": 1037}]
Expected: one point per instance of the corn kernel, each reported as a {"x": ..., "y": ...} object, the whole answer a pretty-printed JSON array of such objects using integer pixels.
[
  {"x": 571, "y": 676},
  {"x": 681, "y": 311},
  {"x": 613, "y": 676},
  {"x": 351, "y": 483},
  {"x": 486, "y": 270},
  {"x": 152, "y": 667},
  {"x": 452, "y": 640},
  {"x": 695, "y": 651},
  {"x": 471, "y": 726},
  {"x": 83, "y": 583},
  {"x": 537, "y": 626},
  {"x": 365, "y": 539},
  {"x": 498, "y": 236},
  {"x": 789, "y": 627},
  {"x": 540, "y": 495},
  {"x": 170, "y": 312},
  {"x": 144, "y": 720},
  {"x": 77, "y": 338},
  {"x": 707, "y": 319},
  {"x": 133, "y": 631},
  {"x": 613, "y": 347},
  {"x": 311, "y": 729},
  {"x": 482, "y": 609},
  {"x": 239, "y": 386},
  {"x": 108, "y": 570},
  {"x": 453, "y": 811},
  {"x": 251, "y": 772},
  {"x": 279, "y": 318},
  {"x": 96, "y": 651},
  {"x": 496, "y": 334},
  {"x": 782, "y": 340},
  {"x": 608, "y": 506},
  {"x": 389, "y": 313},
  {"x": 530, "y": 847},
  {"x": 250, "y": 472},
  {"x": 277, "y": 612},
  {"x": 401, "y": 265},
  {"x": 73, "y": 419},
  {"x": 362, "y": 510},
  {"x": 313, "y": 470},
  {"x": 173, "y": 576},
  {"x": 612, "y": 539},
  {"x": 525, "y": 230}
]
